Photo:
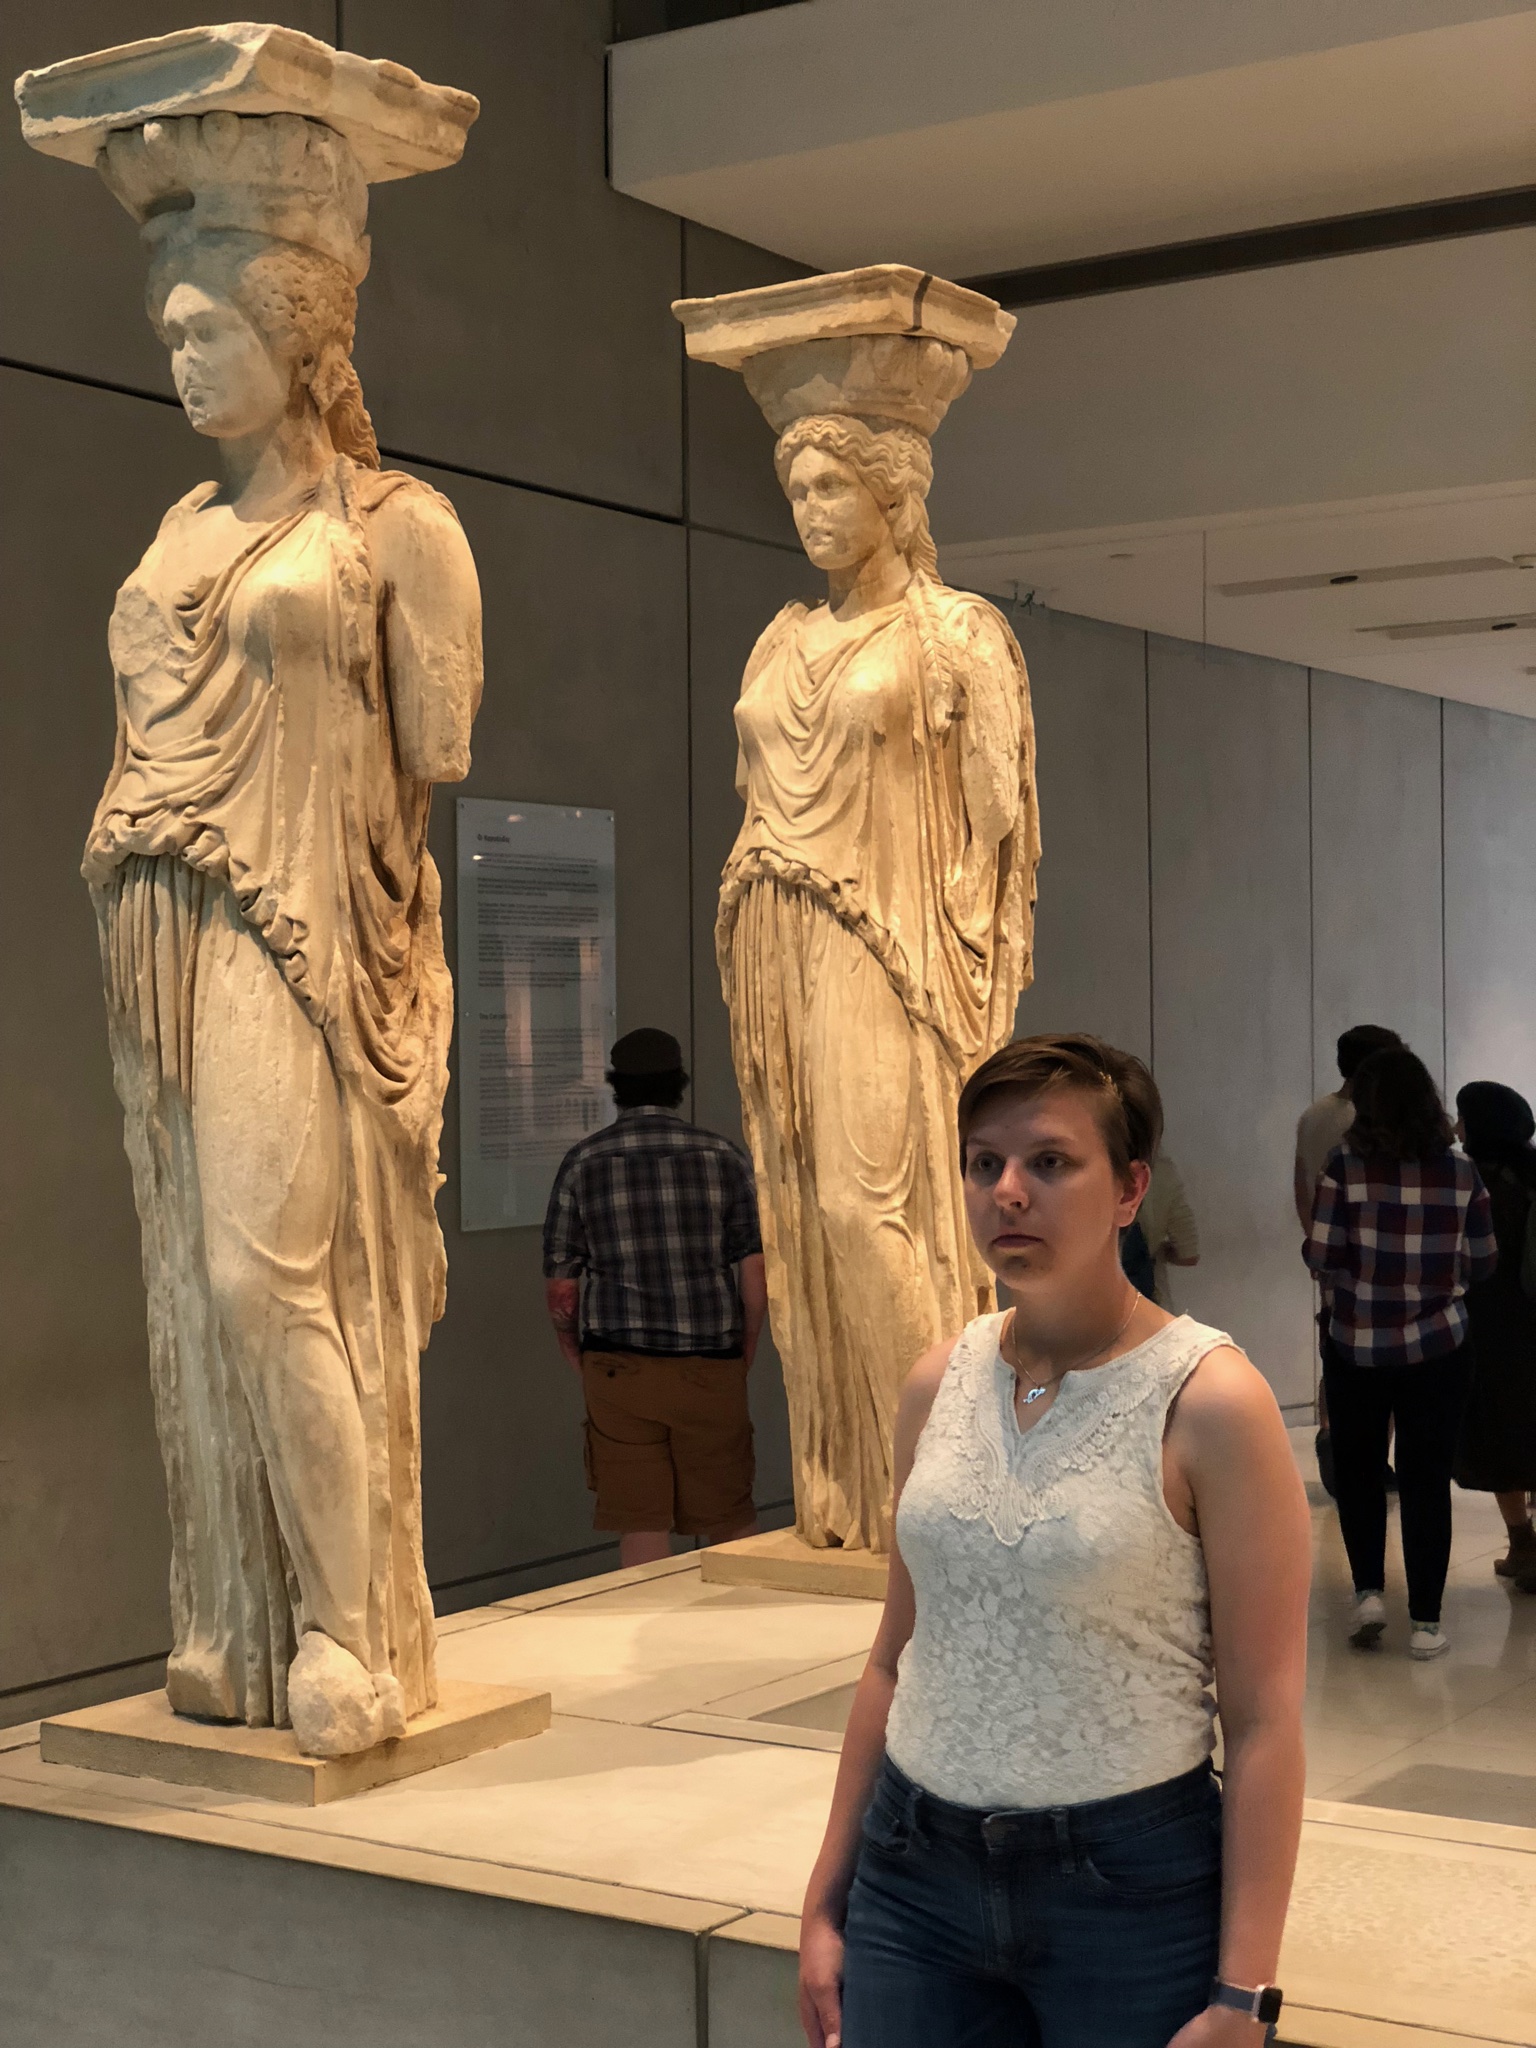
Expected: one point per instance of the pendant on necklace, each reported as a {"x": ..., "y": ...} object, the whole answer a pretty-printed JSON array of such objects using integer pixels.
[{"x": 1035, "y": 1394}]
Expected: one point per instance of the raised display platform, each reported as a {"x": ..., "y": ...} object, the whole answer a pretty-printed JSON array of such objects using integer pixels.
[
  {"x": 631, "y": 1878},
  {"x": 782, "y": 1561},
  {"x": 140, "y": 1737}
]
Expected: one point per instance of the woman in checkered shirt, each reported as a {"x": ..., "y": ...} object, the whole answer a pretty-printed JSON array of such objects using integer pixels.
[{"x": 1401, "y": 1227}]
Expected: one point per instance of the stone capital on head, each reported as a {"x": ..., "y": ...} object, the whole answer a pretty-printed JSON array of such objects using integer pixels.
[
  {"x": 247, "y": 126},
  {"x": 886, "y": 343}
]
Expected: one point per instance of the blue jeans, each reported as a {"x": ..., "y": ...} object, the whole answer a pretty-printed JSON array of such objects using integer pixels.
[{"x": 1091, "y": 1926}]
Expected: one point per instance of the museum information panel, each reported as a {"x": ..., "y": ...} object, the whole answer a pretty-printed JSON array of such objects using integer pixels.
[{"x": 536, "y": 999}]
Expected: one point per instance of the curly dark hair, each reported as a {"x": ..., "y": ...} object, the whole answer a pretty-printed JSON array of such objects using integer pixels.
[{"x": 1398, "y": 1111}]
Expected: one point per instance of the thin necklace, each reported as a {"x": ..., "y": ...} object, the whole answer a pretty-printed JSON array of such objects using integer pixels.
[{"x": 1040, "y": 1388}]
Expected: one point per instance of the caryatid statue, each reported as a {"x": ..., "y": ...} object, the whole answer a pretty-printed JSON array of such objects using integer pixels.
[
  {"x": 298, "y": 661},
  {"x": 876, "y": 911}
]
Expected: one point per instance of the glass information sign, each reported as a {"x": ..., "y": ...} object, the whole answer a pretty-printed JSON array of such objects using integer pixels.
[{"x": 536, "y": 997}]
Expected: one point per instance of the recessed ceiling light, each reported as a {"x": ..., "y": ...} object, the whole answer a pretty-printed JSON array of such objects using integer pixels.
[
  {"x": 1450, "y": 629},
  {"x": 1402, "y": 572}
]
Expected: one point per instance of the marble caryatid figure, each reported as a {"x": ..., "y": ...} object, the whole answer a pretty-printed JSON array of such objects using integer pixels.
[
  {"x": 298, "y": 661},
  {"x": 877, "y": 908}
]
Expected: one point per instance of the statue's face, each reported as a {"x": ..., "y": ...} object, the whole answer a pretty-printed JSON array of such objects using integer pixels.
[
  {"x": 229, "y": 381},
  {"x": 839, "y": 520}
]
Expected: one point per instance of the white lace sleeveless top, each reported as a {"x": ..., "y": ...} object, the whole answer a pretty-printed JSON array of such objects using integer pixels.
[{"x": 1062, "y": 1649}]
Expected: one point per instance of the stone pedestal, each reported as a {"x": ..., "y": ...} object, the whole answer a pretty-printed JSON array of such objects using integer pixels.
[
  {"x": 141, "y": 1738},
  {"x": 781, "y": 1560}
]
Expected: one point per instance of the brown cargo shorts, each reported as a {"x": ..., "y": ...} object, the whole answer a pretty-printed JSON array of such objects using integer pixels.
[{"x": 669, "y": 1442}]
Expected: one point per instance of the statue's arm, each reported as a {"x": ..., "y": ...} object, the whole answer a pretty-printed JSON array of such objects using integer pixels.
[
  {"x": 991, "y": 725},
  {"x": 430, "y": 612}
]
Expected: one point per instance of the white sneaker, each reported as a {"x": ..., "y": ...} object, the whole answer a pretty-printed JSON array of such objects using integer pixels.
[
  {"x": 1428, "y": 1640},
  {"x": 1370, "y": 1621}
]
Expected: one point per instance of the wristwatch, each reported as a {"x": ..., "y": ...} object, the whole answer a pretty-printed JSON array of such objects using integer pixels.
[{"x": 1262, "y": 2005}]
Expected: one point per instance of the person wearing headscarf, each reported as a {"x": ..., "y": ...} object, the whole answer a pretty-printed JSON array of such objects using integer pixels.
[{"x": 1497, "y": 1451}]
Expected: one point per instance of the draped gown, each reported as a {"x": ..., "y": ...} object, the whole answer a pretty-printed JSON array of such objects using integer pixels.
[
  {"x": 279, "y": 1010},
  {"x": 874, "y": 935}
]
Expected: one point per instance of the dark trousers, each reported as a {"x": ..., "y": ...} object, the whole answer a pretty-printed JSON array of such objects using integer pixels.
[
  {"x": 1425, "y": 1402},
  {"x": 1093, "y": 1926}
]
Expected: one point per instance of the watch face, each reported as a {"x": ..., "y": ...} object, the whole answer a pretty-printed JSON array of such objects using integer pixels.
[{"x": 1270, "y": 2002}]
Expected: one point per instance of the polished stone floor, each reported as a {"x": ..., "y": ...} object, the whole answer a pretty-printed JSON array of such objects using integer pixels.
[{"x": 1457, "y": 1736}]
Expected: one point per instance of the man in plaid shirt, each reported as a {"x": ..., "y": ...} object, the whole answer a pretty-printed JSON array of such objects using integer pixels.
[
  {"x": 1401, "y": 1227},
  {"x": 654, "y": 1280}
]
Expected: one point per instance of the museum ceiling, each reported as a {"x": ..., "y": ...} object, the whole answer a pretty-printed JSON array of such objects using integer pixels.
[{"x": 1276, "y": 282}]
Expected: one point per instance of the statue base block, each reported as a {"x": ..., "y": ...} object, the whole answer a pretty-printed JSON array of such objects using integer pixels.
[
  {"x": 784, "y": 1561},
  {"x": 141, "y": 1738}
]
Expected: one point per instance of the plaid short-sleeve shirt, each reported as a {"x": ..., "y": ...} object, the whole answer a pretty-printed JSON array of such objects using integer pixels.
[
  {"x": 652, "y": 1215},
  {"x": 1397, "y": 1243}
]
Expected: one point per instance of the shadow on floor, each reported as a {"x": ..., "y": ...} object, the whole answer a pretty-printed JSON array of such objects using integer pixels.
[{"x": 1507, "y": 1797}]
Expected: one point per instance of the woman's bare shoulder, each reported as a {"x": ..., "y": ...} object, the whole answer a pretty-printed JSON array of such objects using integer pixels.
[
  {"x": 922, "y": 1383},
  {"x": 1226, "y": 1404},
  {"x": 918, "y": 1393}
]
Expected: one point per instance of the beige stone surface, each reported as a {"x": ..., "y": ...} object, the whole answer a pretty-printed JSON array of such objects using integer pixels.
[
  {"x": 602, "y": 1582},
  {"x": 142, "y": 1738},
  {"x": 397, "y": 125},
  {"x": 779, "y": 1693},
  {"x": 1305, "y": 2027},
  {"x": 1418, "y": 1931},
  {"x": 1408, "y": 1930},
  {"x": 297, "y": 660},
  {"x": 876, "y": 912},
  {"x": 782, "y": 1559},
  {"x": 641, "y": 1653},
  {"x": 880, "y": 298},
  {"x": 765, "y": 1930}
]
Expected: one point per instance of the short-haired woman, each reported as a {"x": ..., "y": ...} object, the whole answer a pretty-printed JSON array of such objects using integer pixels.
[
  {"x": 1097, "y": 1514},
  {"x": 1401, "y": 1228}
]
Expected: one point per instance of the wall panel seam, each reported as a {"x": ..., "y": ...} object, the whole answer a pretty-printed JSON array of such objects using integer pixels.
[
  {"x": 1311, "y": 889},
  {"x": 683, "y": 471},
  {"x": 14, "y": 1692},
  {"x": 1445, "y": 1052},
  {"x": 1146, "y": 719},
  {"x": 444, "y": 463},
  {"x": 90, "y": 383}
]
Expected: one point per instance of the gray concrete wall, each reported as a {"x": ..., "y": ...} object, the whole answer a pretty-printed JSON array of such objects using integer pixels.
[
  {"x": 116, "y": 1939},
  {"x": 1377, "y": 868},
  {"x": 1242, "y": 859},
  {"x": 1231, "y": 981},
  {"x": 1093, "y": 927},
  {"x": 1490, "y": 898}
]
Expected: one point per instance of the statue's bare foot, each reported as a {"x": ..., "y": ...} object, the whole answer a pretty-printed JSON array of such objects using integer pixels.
[{"x": 333, "y": 1705}]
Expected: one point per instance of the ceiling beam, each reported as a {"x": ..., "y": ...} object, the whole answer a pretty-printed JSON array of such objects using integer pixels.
[{"x": 1348, "y": 234}]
